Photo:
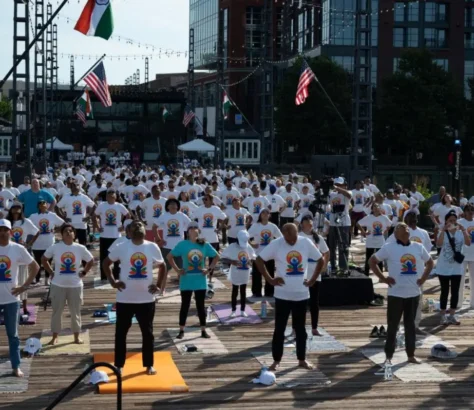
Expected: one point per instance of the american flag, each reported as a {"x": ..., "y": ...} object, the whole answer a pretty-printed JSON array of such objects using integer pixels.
[
  {"x": 188, "y": 115},
  {"x": 306, "y": 77},
  {"x": 97, "y": 82}
]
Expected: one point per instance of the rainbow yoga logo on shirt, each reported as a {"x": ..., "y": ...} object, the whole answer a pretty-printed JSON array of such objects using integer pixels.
[
  {"x": 44, "y": 227},
  {"x": 377, "y": 228},
  {"x": 110, "y": 217},
  {"x": 289, "y": 202},
  {"x": 68, "y": 264},
  {"x": 470, "y": 231},
  {"x": 358, "y": 199},
  {"x": 294, "y": 263},
  {"x": 228, "y": 199},
  {"x": 157, "y": 208},
  {"x": 416, "y": 239},
  {"x": 243, "y": 259},
  {"x": 257, "y": 207},
  {"x": 16, "y": 234},
  {"x": 239, "y": 220},
  {"x": 173, "y": 227},
  {"x": 138, "y": 266},
  {"x": 185, "y": 210},
  {"x": 192, "y": 194},
  {"x": 306, "y": 203},
  {"x": 408, "y": 264},
  {"x": 136, "y": 195},
  {"x": 195, "y": 258},
  {"x": 5, "y": 272},
  {"x": 77, "y": 208},
  {"x": 265, "y": 237},
  {"x": 207, "y": 221}
]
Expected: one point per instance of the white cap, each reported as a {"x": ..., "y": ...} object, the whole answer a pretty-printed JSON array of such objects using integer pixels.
[
  {"x": 266, "y": 377},
  {"x": 99, "y": 376},
  {"x": 243, "y": 238},
  {"x": 32, "y": 345},
  {"x": 5, "y": 223},
  {"x": 340, "y": 181}
]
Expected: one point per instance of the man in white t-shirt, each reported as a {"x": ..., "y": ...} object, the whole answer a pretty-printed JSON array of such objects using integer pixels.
[
  {"x": 152, "y": 208},
  {"x": 12, "y": 256},
  {"x": 291, "y": 254},
  {"x": 405, "y": 260},
  {"x": 136, "y": 290},
  {"x": 360, "y": 198}
]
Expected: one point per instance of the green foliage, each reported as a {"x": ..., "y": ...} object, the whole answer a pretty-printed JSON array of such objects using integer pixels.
[
  {"x": 418, "y": 104},
  {"x": 6, "y": 109},
  {"x": 314, "y": 126}
]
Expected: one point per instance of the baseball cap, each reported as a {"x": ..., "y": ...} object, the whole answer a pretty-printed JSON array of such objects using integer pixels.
[
  {"x": 340, "y": 181},
  {"x": 266, "y": 377},
  {"x": 193, "y": 225},
  {"x": 32, "y": 345},
  {"x": 243, "y": 238},
  {"x": 99, "y": 376},
  {"x": 440, "y": 351},
  {"x": 5, "y": 223}
]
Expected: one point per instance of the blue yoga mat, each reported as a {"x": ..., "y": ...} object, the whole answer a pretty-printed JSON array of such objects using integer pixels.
[{"x": 113, "y": 318}]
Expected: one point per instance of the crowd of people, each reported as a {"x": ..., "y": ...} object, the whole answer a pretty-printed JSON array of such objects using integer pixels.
[{"x": 282, "y": 232}]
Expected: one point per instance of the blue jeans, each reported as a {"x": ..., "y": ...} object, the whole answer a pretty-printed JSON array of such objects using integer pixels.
[{"x": 11, "y": 314}]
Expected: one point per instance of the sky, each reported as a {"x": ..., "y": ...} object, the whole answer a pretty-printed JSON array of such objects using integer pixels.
[{"x": 161, "y": 23}]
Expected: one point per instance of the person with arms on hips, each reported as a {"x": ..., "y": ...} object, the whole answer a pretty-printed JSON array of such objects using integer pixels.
[
  {"x": 32, "y": 197},
  {"x": 340, "y": 224},
  {"x": 152, "y": 207},
  {"x": 255, "y": 203},
  {"x": 193, "y": 275},
  {"x": 468, "y": 251},
  {"x": 450, "y": 266},
  {"x": 360, "y": 198},
  {"x": 187, "y": 207},
  {"x": 108, "y": 221},
  {"x": 292, "y": 200},
  {"x": 66, "y": 280},
  {"x": 135, "y": 193},
  {"x": 237, "y": 220},
  {"x": 405, "y": 260},
  {"x": 374, "y": 227},
  {"x": 136, "y": 291},
  {"x": 12, "y": 256},
  {"x": 291, "y": 254},
  {"x": 277, "y": 205},
  {"x": 240, "y": 256}
]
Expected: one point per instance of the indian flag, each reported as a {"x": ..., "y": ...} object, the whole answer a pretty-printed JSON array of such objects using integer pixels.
[
  {"x": 96, "y": 19},
  {"x": 165, "y": 114},
  {"x": 84, "y": 108},
  {"x": 226, "y": 104}
]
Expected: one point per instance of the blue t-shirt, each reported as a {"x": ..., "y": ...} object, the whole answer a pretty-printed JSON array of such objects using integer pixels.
[
  {"x": 194, "y": 258},
  {"x": 30, "y": 200}
]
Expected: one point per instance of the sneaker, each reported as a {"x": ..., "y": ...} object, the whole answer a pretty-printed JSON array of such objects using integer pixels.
[
  {"x": 233, "y": 314},
  {"x": 180, "y": 334},
  {"x": 444, "y": 320},
  {"x": 205, "y": 335},
  {"x": 453, "y": 321},
  {"x": 374, "y": 333},
  {"x": 243, "y": 314},
  {"x": 382, "y": 332}
]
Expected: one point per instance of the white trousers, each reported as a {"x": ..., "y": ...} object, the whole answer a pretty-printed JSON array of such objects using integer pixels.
[{"x": 470, "y": 266}]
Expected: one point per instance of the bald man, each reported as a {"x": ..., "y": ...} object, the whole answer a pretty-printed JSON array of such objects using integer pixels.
[
  {"x": 292, "y": 282},
  {"x": 405, "y": 261}
]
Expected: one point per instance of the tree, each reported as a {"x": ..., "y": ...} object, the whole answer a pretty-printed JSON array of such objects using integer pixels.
[
  {"x": 315, "y": 126},
  {"x": 420, "y": 105},
  {"x": 6, "y": 110}
]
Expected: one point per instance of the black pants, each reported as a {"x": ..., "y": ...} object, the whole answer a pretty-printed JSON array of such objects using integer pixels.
[
  {"x": 368, "y": 253},
  {"x": 257, "y": 280},
  {"x": 224, "y": 236},
  {"x": 200, "y": 296},
  {"x": 314, "y": 304},
  {"x": 283, "y": 308},
  {"x": 231, "y": 240},
  {"x": 275, "y": 218},
  {"x": 285, "y": 220},
  {"x": 37, "y": 254},
  {"x": 105, "y": 244},
  {"x": 81, "y": 236},
  {"x": 445, "y": 281},
  {"x": 395, "y": 308},
  {"x": 145, "y": 313},
  {"x": 339, "y": 238},
  {"x": 243, "y": 295}
]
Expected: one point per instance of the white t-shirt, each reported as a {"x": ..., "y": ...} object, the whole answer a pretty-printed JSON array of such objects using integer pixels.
[
  {"x": 188, "y": 208},
  {"x": 417, "y": 235},
  {"x": 290, "y": 198},
  {"x": 396, "y": 206},
  {"x": 276, "y": 202},
  {"x": 291, "y": 264},
  {"x": 5, "y": 197},
  {"x": 170, "y": 194},
  {"x": 136, "y": 270},
  {"x": 236, "y": 222},
  {"x": 405, "y": 265},
  {"x": 193, "y": 191},
  {"x": 335, "y": 199},
  {"x": 441, "y": 210},
  {"x": 256, "y": 204},
  {"x": 239, "y": 275},
  {"x": 110, "y": 218},
  {"x": 173, "y": 227},
  {"x": 16, "y": 192},
  {"x": 323, "y": 248},
  {"x": 11, "y": 257},
  {"x": 468, "y": 251},
  {"x": 263, "y": 235},
  {"x": 227, "y": 196},
  {"x": 359, "y": 197},
  {"x": 95, "y": 190},
  {"x": 446, "y": 265},
  {"x": 207, "y": 219},
  {"x": 306, "y": 201},
  {"x": 376, "y": 227},
  {"x": 24, "y": 187},
  {"x": 46, "y": 223},
  {"x": 67, "y": 263},
  {"x": 21, "y": 230},
  {"x": 135, "y": 195},
  {"x": 76, "y": 209},
  {"x": 79, "y": 179},
  {"x": 153, "y": 209}
]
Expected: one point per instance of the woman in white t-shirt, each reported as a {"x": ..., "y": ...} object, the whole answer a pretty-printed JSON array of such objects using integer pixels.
[
  {"x": 374, "y": 227},
  {"x": 263, "y": 232},
  {"x": 451, "y": 240},
  {"x": 237, "y": 220},
  {"x": 47, "y": 223},
  {"x": 186, "y": 207},
  {"x": 66, "y": 282},
  {"x": 240, "y": 256},
  {"x": 468, "y": 252}
]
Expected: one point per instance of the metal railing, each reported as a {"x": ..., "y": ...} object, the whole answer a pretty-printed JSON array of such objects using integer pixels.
[{"x": 84, "y": 374}]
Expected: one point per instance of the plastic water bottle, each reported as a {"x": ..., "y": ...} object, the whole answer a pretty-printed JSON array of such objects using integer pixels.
[
  {"x": 388, "y": 376},
  {"x": 263, "y": 310},
  {"x": 209, "y": 313}
]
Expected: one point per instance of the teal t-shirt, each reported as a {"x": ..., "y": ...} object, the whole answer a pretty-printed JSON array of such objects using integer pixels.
[{"x": 194, "y": 258}]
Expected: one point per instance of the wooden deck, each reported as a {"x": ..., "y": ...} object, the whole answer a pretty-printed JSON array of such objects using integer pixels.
[{"x": 222, "y": 382}]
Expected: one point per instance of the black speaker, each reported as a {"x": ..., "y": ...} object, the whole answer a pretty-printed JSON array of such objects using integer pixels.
[
  {"x": 18, "y": 175},
  {"x": 39, "y": 167}
]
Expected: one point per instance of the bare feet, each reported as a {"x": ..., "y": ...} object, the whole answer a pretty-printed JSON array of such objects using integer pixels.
[
  {"x": 150, "y": 371},
  {"x": 78, "y": 341},
  {"x": 305, "y": 364},
  {"x": 18, "y": 372},
  {"x": 274, "y": 366},
  {"x": 53, "y": 341},
  {"x": 316, "y": 332},
  {"x": 414, "y": 360}
]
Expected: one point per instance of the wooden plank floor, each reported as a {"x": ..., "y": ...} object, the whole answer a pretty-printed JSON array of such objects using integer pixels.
[{"x": 222, "y": 382}]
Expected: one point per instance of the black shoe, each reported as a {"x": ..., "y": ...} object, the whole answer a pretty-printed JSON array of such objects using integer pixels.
[
  {"x": 180, "y": 334},
  {"x": 205, "y": 335},
  {"x": 375, "y": 333},
  {"x": 382, "y": 332}
]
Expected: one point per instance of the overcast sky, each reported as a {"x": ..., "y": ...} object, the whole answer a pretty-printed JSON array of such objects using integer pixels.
[{"x": 162, "y": 23}]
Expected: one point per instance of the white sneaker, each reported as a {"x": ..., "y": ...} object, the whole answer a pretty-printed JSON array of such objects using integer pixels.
[
  {"x": 452, "y": 320},
  {"x": 243, "y": 314},
  {"x": 232, "y": 315},
  {"x": 444, "y": 320}
]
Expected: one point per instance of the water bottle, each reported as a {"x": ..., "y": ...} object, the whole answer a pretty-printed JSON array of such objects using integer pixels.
[
  {"x": 388, "y": 376},
  {"x": 263, "y": 310},
  {"x": 209, "y": 313}
]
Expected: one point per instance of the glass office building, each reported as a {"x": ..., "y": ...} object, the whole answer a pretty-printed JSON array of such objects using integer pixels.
[{"x": 203, "y": 18}]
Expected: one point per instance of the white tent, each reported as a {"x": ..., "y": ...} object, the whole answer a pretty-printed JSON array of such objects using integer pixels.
[
  {"x": 57, "y": 144},
  {"x": 196, "y": 145}
]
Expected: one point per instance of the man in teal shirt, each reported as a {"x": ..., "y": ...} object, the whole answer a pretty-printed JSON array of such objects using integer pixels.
[{"x": 33, "y": 196}]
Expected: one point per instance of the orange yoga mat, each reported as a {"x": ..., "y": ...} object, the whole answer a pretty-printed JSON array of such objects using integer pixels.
[{"x": 134, "y": 377}]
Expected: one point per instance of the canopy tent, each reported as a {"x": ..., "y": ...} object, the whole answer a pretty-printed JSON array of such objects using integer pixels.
[
  {"x": 57, "y": 144},
  {"x": 196, "y": 145}
]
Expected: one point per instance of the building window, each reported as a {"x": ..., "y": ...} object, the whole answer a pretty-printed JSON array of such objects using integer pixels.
[
  {"x": 469, "y": 40},
  {"x": 442, "y": 62},
  {"x": 396, "y": 63},
  {"x": 468, "y": 74},
  {"x": 412, "y": 38},
  {"x": 413, "y": 11},
  {"x": 346, "y": 62},
  {"x": 435, "y": 38},
  {"x": 242, "y": 150},
  {"x": 399, "y": 12},
  {"x": 468, "y": 17},
  {"x": 336, "y": 26},
  {"x": 253, "y": 36},
  {"x": 398, "y": 37},
  {"x": 405, "y": 37},
  {"x": 373, "y": 72},
  {"x": 435, "y": 12},
  {"x": 406, "y": 11},
  {"x": 375, "y": 22}
]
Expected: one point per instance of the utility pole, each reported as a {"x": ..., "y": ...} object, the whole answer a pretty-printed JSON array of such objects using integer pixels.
[
  {"x": 40, "y": 75},
  {"x": 72, "y": 73},
  {"x": 220, "y": 80},
  {"x": 191, "y": 94},
  {"x": 147, "y": 73}
]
